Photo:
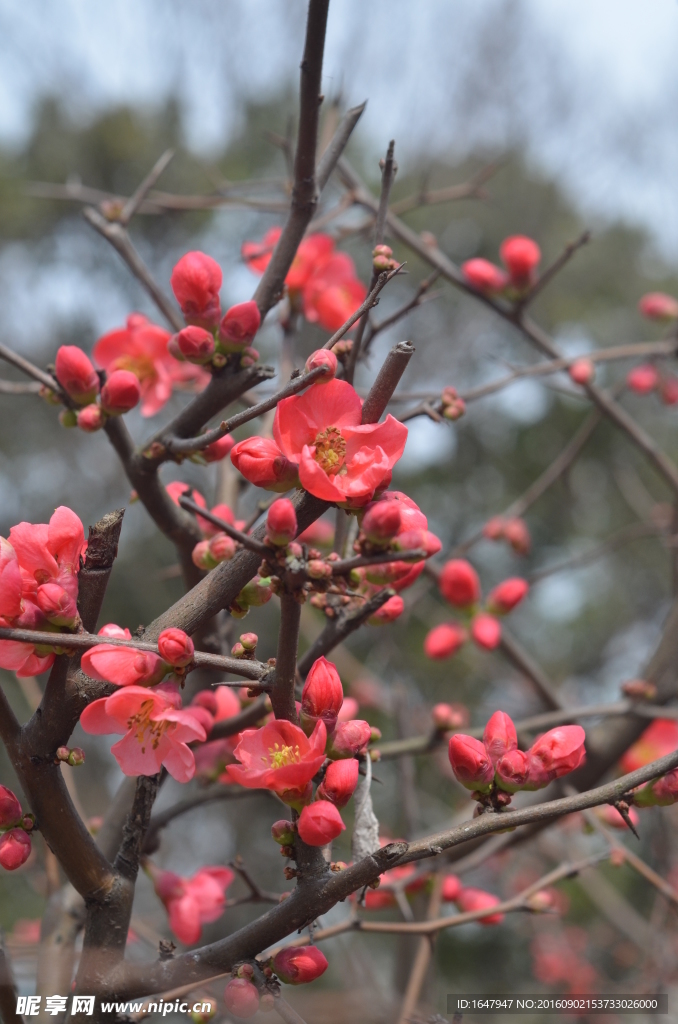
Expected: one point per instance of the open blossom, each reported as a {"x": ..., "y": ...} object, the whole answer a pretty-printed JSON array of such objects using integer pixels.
[
  {"x": 279, "y": 756},
  {"x": 192, "y": 902},
  {"x": 333, "y": 292},
  {"x": 155, "y": 731},
  {"x": 124, "y": 666},
  {"x": 141, "y": 348},
  {"x": 312, "y": 252},
  {"x": 471, "y": 900},
  {"x": 340, "y": 459}
]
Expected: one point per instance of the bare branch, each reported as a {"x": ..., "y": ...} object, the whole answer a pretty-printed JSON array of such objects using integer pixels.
[
  {"x": 328, "y": 160},
  {"x": 371, "y": 301},
  {"x": 347, "y": 565},
  {"x": 282, "y": 695},
  {"x": 528, "y": 667},
  {"x": 336, "y": 630},
  {"x": 242, "y": 538},
  {"x": 472, "y": 189},
  {"x": 387, "y": 381},
  {"x": 548, "y": 275},
  {"x": 136, "y": 199},
  {"x": 30, "y": 370}
]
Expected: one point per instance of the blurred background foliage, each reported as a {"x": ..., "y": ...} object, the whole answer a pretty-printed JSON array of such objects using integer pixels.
[{"x": 591, "y": 628}]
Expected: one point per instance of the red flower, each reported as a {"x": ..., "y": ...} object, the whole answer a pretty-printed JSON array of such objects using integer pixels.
[
  {"x": 389, "y": 611},
  {"x": 195, "y": 281},
  {"x": 124, "y": 666},
  {"x": 241, "y": 998},
  {"x": 319, "y": 823},
  {"x": 486, "y": 631},
  {"x": 192, "y": 902},
  {"x": 459, "y": 583},
  {"x": 451, "y": 888},
  {"x": 311, "y": 254},
  {"x": 298, "y": 965},
  {"x": 339, "y": 459},
  {"x": 658, "y": 306},
  {"x": 350, "y": 739},
  {"x": 281, "y": 522},
  {"x": 340, "y": 781},
  {"x": 280, "y": 757},
  {"x": 155, "y": 731},
  {"x": 333, "y": 292},
  {"x": 520, "y": 255},
  {"x": 484, "y": 276},
  {"x": 660, "y": 738},
  {"x": 558, "y": 752},
  {"x": 120, "y": 393},
  {"x": 582, "y": 371},
  {"x": 141, "y": 347},
  {"x": 642, "y": 379},
  {"x": 507, "y": 595},
  {"x": 176, "y": 647},
  {"x": 262, "y": 463},
  {"x": 75, "y": 373},
  {"x": 15, "y": 849},
  {"x": 499, "y": 736},
  {"x": 10, "y": 808},
  {"x": 470, "y": 762},
  {"x": 470, "y": 900}
]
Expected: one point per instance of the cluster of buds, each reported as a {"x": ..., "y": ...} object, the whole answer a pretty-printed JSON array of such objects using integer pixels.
[
  {"x": 15, "y": 826},
  {"x": 460, "y": 586},
  {"x": 217, "y": 546},
  {"x": 452, "y": 407},
  {"x": 646, "y": 378},
  {"x": 126, "y": 666},
  {"x": 449, "y": 717},
  {"x": 208, "y": 337},
  {"x": 254, "y": 594},
  {"x": 254, "y": 988},
  {"x": 513, "y": 530},
  {"x": 520, "y": 255},
  {"x": 495, "y": 768},
  {"x": 93, "y": 403},
  {"x": 246, "y": 647},
  {"x": 382, "y": 259},
  {"x": 74, "y": 756}
]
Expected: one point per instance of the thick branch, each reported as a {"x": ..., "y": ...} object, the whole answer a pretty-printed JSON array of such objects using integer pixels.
[
  {"x": 282, "y": 694},
  {"x": 387, "y": 381}
]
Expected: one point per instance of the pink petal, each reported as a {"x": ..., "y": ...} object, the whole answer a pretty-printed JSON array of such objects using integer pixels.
[
  {"x": 66, "y": 537},
  {"x": 178, "y": 760},
  {"x": 299, "y": 419},
  {"x": 13, "y": 654},
  {"x": 390, "y": 436},
  {"x": 184, "y": 919},
  {"x": 113, "y": 345},
  {"x": 136, "y": 758},
  {"x": 30, "y": 541},
  {"x": 35, "y": 665},
  {"x": 96, "y": 720},
  {"x": 11, "y": 587},
  {"x": 315, "y": 480}
]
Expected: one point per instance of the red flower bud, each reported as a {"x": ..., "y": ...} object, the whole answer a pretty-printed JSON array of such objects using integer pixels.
[
  {"x": 340, "y": 781},
  {"x": 484, "y": 276},
  {"x": 449, "y": 716},
  {"x": 323, "y": 357},
  {"x": 459, "y": 583},
  {"x": 76, "y": 756},
  {"x": 507, "y": 595},
  {"x": 444, "y": 640},
  {"x": 283, "y": 832},
  {"x": 117, "y": 632},
  {"x": 206, "y": 699},
  {"x": 499, "y": 736},
  {"x": 262, "y": 463},
  {"x": 202, "y": 557},
  {"x": 241, "y": 998},
  {"x": 658, "y": 306},
  {"x": 470, "y": 762},
  {"x": 76, "y": 374},
  {"x": 57, "y": 605},
  {"x": 451, "y": 888},
  {"x": 322, "y": 695},
  {"x": 518, "y": 536},
  {"x": 218, "y": 450},
  {"x": 486, "y": 631},
  {"x": 411, "y": 540},
  {"x": 15, "y": 849},
  {"x": 668, "y": 390},
  {"x": 512, "y": 770},
  {"x": 582, "y": 371},
  {"x": 494, "y": 528},
  {"x": 281, "y": 522},
  {"x": 176, "y": 647},
  {"x": 520, "y": 255},
  {"x": 195, "y": 281},
  {"x": 381, "y": 522},
  {"x": 319, "y": 823},
  {"x": 642, "y": 379},
  {"x": 120, "y": 393},
  {"x": 195, "y": 344},
  {"x": 91, "y": 418},
  {"x": 350, "y": 739},
  {"x": 297, "y": 965},
  {"x": 470, "y": 900},
  {"x": 389, "y": 611},
  {"x": 221, "y": 547},
  {"x": 239, "y": 326},
  {"x": 10, "y": 808},
  {"x": 556, "y": 753}
]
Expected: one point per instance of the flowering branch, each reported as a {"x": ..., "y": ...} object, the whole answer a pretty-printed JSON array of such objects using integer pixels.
[
  {"x": 347, "y": 565},
  {"x": 369, "y": 303},
  {"x": 242, "y": 538},
  {"x": 337, "y": 629}
]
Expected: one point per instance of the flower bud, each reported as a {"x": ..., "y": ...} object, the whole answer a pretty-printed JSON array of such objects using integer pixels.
[
  {"x": 117, "y": 632},
  {"x": 76, "y": 374},
  {"x": 453, "y": 409},
  {"x": 206, "y": 699},
  {"x": 459, "y": 583},
  {"x": 389, "y": 611},
  {"x": 556, "y": 753},
  {"x": 486, "y": 631},
  {"x": 520, "y": 255},
  {"x": 249, "y": 357},
  {"x": 323, "y": 357},
  {"x": 262, "y": 463},
  {"x": 91, "y": 418},
  {"x": 512, "y": 770},
  {"x": 341, "y": 779},
  {"x": 241, "y": 998},
  {"x": 202, "y": 557},
  {"x": 76, "y": 756},
  {"x": 281, "y": 522},
  {"x": 451, "y": 888},
  {"x": 195, "y": 281},
  {"x": 658, "y": 306},
  {"x": 255, "y": 593},
  {"x": 484, "y": 276},
  {"x": 195, "y": 344},
  {"x": 319, "y": 570},
  {"x": 639, "y": 689},
  {"x": 297, "y": 965},
  {"x": 68, "y": 418},
  {"x": 381, "y": 522},
  {"x": 239, "y": 325},
  {"x": 582, "y": 371},
  {"x": 349, "y": 739},
  {"x": 322, "y": 696},
  {"x": 15, "y": 849},
  {"x": 382, "y": 258},
  {"x": 470, "y": 762},
  {"x": 507, "y": 595},
  {"x": 57, "y": 605},
  {"x": 499, "y": 736},
  {"x": 642, "y": 379},
  {"x": 517, "y": 534},
  {"x": 470, "y": 900},
  {"x": 176, "y": 647},
  {"x": 319, "y": 823},
  {"x": 283, "y": 832},
  {"x": 221, "y": 547},
  {"x": 494, "y": 528},
  {"x": 10, "y": 808},
  {"x": 218, "y": 450},
  {"x": 120, "y": 393},
  {"x": 411, "y": 540},
  {"x": 445, "y": 640},
  {"x": 449, "y": 716}
]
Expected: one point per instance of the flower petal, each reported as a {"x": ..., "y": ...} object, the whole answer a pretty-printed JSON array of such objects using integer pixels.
[
  {"x": 299, "y": 419},
  {"x": 315, "y": 480}
]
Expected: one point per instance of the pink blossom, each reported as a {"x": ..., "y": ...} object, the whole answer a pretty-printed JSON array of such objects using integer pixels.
[
  {"x": 280, "y": 757},
  {"x": 124, "y": 666},
  {"x": 192, "y": 902}
]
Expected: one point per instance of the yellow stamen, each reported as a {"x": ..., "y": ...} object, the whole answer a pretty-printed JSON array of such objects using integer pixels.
[
  {"x": 330, "y": 450},
  {"x": 280, "y": 756}
]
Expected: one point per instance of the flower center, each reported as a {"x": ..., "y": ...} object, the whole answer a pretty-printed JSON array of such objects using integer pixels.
[
  {"x": 145, "y": 728},
  {"x": 330, "y": 450},
  {"x": 280, "y": 756},
  {"x": 141, "y": 366}
]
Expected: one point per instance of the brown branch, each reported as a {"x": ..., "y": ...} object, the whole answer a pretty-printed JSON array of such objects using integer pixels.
[
  {"x": 336, "y": 630},
  {"x": 419, "y": 297},
  {"x": 471, "y": 189},
  {"x": 46, "y": 379},
  {"x": 282, "y": 694},
  {"x": 625, "y": 535},
  {"x": 368, "y": 304},
  {"x": 528, "y": 667},
  {"x": 422, "y": 957},
  {"x": 136, "y": 199},
  {"x": 245, "y": 719},
  {"x": 158, "y": 202},
  {"x": 164, "y": 818},
  {"x": 346, "y": 565},
  {"x": 387, "y": 381},
  {"x": 102, "y": 550},
  {"x": 338, "y": 143},
  {"x": 548, "y": 275},
  {"x": 14, "y": 387},
  {"x": 287, "y": 1012},
  {"x": 242, "y": 538}
]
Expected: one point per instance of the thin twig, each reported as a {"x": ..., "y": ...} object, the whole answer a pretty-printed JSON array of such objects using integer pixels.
[
  {"x": 30, "y": 370},
  {"x": 242, "y": 538},
  {"x": 471, "y": 189},
  {"x": 371, "y": 301},
  {"x": 347, "y": 565},
  {"x": 140, "y": 193},
  {"x": 544, "y": 279},
  {"x": 625, "y": 535}
]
